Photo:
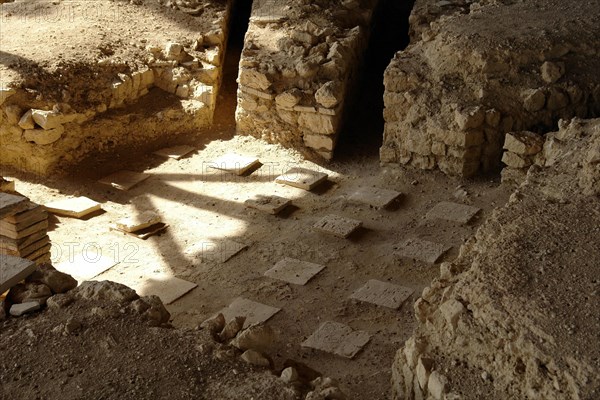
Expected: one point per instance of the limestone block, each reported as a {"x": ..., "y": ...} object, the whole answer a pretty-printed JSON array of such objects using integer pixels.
[
  {"x": 304, "y": 37},
  {"x": 524, "y": 143},
  {"x": 534, "y": 100},
  {"x": 437, "y": 385},
  {"x": 452, "y": 310},
  {"x": 328, "y": 94},
  {"x": 209, "y": 74},
  {"x": 307, "y": 69},
  {"x": 456, "y": 166},
  {"x": 465, "y": 153},
  {"x": 173, "y": 51},
  {"x": 515, "y": 161},
  {"x": 213, "y": 55},
  {"x": 257, "y": 93},
  {"x": 552, "y": 71},
  {"x": 288, "y": 99},
  {"x": 216, "y": 37},
  {"x": 469, "y": 118},
  {"x": 319, "y": 142},
  {"x": 204, "y": 93},
  {"x": 462, "y": 139},
  {"x": 43, "y": 136},
  {"x": 47, "y": 119},
  {"x": 318, "y": 123},
  {"x": 254, "y": 79},
  {"x": 438, "y": 148}
]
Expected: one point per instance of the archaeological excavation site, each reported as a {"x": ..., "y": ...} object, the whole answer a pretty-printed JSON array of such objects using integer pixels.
[{"x": 300, "y": 200}]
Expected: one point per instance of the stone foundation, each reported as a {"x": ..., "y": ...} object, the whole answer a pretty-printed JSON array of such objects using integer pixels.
[
  {"x": 299, "y": 65},
  {"x": 158, "y": 89},
  {"x": 455, "y": 92}
]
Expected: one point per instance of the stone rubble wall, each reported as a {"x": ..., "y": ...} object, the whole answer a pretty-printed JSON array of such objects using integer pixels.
[
  {"x": 38, "y": 136},
  {"x": 299, "y": 65},
  {"x": 510, "y": 316},
  {"x": 454, "y": 93}
]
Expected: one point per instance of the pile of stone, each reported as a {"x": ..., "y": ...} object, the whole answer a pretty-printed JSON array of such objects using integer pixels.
[
  {"x": 24, "y": 232},
  {"x": 522, "y": 151}
]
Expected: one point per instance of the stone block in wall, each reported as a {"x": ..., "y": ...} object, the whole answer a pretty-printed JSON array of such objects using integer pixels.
[
  {"x": 319, "y": 142},
  {"x": 318, "y": 123},
  {"x": 516, "y": 161},
  {"x": 524, "y": 143},
  {"x": 44, "y": 136},
  {"x": 469, "y": 138},
  {"x": 254, "y": 79},
  {"x": 457, "y": 167}
]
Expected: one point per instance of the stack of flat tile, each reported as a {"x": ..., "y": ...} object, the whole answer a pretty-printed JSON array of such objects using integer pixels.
[{"x": 24, "y": 234}]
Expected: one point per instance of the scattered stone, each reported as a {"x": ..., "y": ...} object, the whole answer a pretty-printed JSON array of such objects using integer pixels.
[
  {"x": 7, "y": 186},
  {"x": 337, "y": 226},
  {"x": 269, "y": 204},
  {"x": 175, "y": 152},
  {"x": 290, "y": 375},
  {"x": 259, "y": 337},
  {"x": 338, "y": 339},
  {"x": 383, "y": 294},
  {"x": 214, "y": 325},
  {"x": 105, "y": 291},
  {"x": 374, "y": 197},
  {"x": 255, "y": 313},
  {"x": 294, "y": 271},
  {"x": 29, "y": 292},
  {"x": 422, "y": 250},
  {"x": 453, "y": 212},
  {"x": 452, "y": 310},
  {"x": 235, "y": 163},
  {"x": 13, "y": 270},
  {"x": 11, "y": 204},
  {"x": 437, "y": 385},
  {"x": 17, "y": 310},
  {"x": 48, "y": 119},
  {"x": 72, "y": 325},
  {"x": 216, "y": 251},
  {"x": 60, "y": 301},
  {"x": 255, "y": 358},
  {"x": 77, "y": 207},
  {"x": 302, "y": 178},
  {"x": 552, "y": 72},
  {"x": 138, "y": 222},
  {"x": 534, "y": 100},
  {"x": 524, "y": 143},
  {"x": 57, "y": 281},
  {"x": 124, "y": 180},
  {"x": 232, "y": 328},
  {"x": 156, "y": 313},
  {"x": 424, "y": 368},
  {"x": 86, "y": 266}
]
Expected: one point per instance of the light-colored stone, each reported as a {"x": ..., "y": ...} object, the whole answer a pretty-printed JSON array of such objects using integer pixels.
[
  {"x": 424, "y": 367},
  {"x": 328, "y": 95},
  {"x": 254, "y": 79},
  {"x": 422, "y": 250},
  {"x": 437, "y": 385},
  {"x": 289, "y": 375},
  {"x": 383, "y": 294},
  {"x": 48, "y": 119},
  {"x": 288, "y": 99},
  {"x": 534, "y": 100},
  {"x": 338, "y": 339},
  {"x": 374, "y": 197},
  {"x": 26, "y": 121},
  {"x": 294, "y": 271},
  {"x": 258, "y": 337},
  {"x": 13, "y": 270},
  {"x": 319, "y": 142},
  {"x": 44, "y": 137},
  {"x": 255, "y": 313},
  {"x": 524, "y": 143},
  {"x": 302, "y": 178},
  {"x": 124, "y": 180},
  {"x": 57, "y": 281},
  {"x": 515, "y": 161},
  {"x": 552, "y": 71},
  {"x": 269, "y": 204},
  {"x": 452, "y": 310},
  {"x": 77, "y": 207},
  {"x": 337, "y": 226},
  {"x": 138, "y": 222},
  {"x": 87, "y": 265},
  {"x": 255, "y": 358},
  {"x": 232, "y": 328},
  {"x": 469, "y": 118},
  {"x": 455, "y": 212},
  {"x": 17, "y": 310}
]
